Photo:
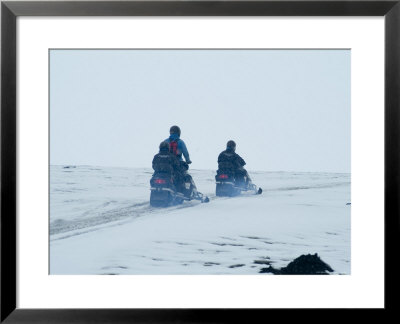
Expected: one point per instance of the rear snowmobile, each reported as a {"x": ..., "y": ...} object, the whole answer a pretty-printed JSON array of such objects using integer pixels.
[
  {"x": 164, "y": 192},
  {"x": 170, "y": 183},
  {"x": 227, "y": 185}
]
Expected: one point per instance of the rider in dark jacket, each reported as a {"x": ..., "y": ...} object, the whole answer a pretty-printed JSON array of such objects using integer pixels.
[
  {"x": 166, "y": 162},
  {"x": 232, "y": 162}
]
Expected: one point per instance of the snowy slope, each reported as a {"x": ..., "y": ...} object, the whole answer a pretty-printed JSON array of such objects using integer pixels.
[{"x": 101, "y": 223}]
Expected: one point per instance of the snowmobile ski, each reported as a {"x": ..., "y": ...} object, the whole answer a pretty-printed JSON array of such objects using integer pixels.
[{"x": 199, "y": 196}]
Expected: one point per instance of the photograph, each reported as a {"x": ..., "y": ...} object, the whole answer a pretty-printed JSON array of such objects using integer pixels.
[{"x": 199, "y": 161}]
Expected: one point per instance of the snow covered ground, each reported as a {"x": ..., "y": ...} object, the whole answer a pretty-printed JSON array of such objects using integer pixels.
[{"x": 101, "y": 223}]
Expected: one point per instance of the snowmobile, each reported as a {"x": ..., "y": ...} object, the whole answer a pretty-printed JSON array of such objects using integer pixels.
[
  {"x": 229, "y": 185},
  {"x": 164, "y": 192}
]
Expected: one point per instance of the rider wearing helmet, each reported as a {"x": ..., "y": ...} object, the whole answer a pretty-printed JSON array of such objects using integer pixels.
[
  {"x": 176, "y": 145},
  {"x": 230, "y": 161},
  {"x": 166, "y": 162},
  {"x": 178, "y": 148}
]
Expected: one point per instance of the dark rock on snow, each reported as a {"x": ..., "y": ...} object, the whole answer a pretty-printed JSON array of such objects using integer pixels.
[{"x": 303, "y": 265}]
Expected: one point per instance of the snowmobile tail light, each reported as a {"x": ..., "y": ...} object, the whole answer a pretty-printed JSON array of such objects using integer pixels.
[
  {"x": 223, "y": 176},
  {"x": 160, "y": 181}
]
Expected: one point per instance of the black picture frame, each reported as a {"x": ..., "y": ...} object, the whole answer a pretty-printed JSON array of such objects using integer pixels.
[{"x": 10, "y": 10}]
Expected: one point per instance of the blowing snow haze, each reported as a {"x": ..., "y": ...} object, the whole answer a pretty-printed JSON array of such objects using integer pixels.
[{"x": 287, "y": 110}]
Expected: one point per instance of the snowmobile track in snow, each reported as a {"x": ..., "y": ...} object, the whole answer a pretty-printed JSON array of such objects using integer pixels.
[{"x": 89, "y": 224}]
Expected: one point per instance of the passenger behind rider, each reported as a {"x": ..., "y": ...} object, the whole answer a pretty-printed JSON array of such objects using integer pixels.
[{"x": 167, "y": 163}]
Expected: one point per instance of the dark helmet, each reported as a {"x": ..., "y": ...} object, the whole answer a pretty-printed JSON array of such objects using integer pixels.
[
  {"x": 231, "y": 145},
  {"x": 164, "y": 146},
  {"x": 175, "y": 130}
]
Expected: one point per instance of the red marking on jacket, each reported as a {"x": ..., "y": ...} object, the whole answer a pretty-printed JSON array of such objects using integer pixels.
[{"x": 173, "y": 147}]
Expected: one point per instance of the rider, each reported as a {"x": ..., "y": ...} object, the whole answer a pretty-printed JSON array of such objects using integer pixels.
[
  {"x": 166, "y": 162},
  {"x": 178, "y": 147},
  {"x": 228, "y": 160}
]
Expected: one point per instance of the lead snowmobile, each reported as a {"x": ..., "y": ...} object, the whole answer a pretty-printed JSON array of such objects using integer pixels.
[
  {"x": 232, "y": 179},
  {"x": 227, "y": 185}
]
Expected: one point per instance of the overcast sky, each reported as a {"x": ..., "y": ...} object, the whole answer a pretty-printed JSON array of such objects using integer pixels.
[{"x": 287, "y": 110}]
